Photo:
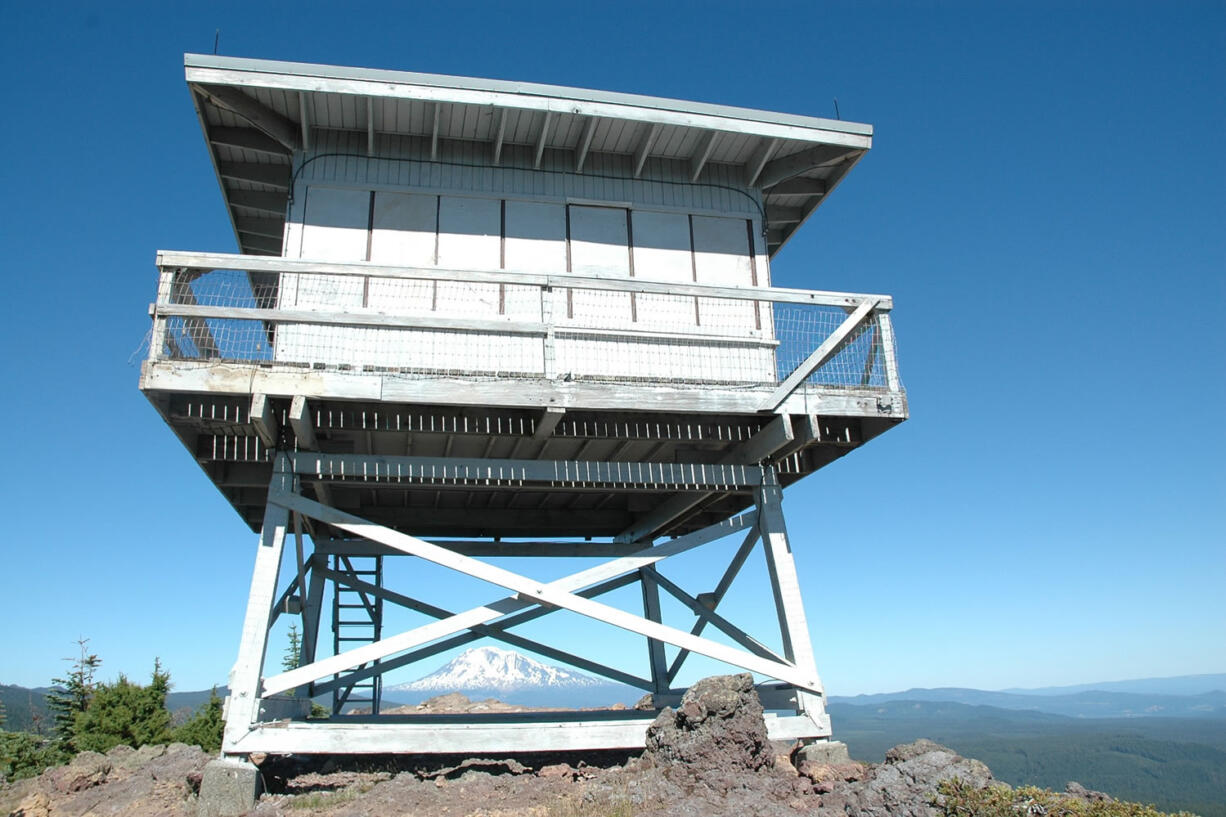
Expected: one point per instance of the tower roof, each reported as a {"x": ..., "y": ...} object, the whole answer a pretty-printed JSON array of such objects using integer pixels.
[{"x": 255, "y": 113}]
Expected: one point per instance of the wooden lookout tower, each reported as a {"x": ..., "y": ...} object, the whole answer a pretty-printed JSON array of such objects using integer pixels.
[{"x": 473, "y": 319}]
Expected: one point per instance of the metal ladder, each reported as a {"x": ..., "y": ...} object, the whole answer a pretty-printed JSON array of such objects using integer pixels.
[{"x": 357, "y": 619}]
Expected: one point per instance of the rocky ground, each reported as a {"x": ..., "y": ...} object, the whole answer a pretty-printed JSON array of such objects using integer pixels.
[{"x": 710, "y": 757}]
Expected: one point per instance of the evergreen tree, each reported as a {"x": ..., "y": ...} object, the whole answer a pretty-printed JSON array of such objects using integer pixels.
[
  {"x": 293, "y": 653},
  {"x": 69, "y": 697},
  {"x": 205, "y": 727},
  {"x": 124, "y": 712}
]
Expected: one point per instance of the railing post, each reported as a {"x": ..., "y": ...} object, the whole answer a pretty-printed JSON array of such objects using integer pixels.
[
  {"x": 157, "y": 341},
  {"x": 888, "y": 352},
  {"x": 549, "y": 366}
]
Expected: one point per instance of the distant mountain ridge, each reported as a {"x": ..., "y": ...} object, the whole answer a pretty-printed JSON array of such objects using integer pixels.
[
  {"x": 1085, "y": 704},
  {"x": 491, "y": 672}
]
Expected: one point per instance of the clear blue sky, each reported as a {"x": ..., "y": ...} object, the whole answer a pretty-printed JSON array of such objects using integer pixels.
[{"x": 1044, "y": 199}]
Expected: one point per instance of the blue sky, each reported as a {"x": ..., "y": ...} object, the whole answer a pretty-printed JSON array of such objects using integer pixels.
[{"x": 1044, "y": 200}]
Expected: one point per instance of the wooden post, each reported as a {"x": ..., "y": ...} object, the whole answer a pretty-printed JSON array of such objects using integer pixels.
[
  {"x": 655, "y": 647},
  {"x": 793, "y": 627},
  {"x": 245, "y": 678}
]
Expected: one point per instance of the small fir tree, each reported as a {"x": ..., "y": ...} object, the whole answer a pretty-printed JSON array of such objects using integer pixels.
[
  {"x": 204, "y": 729},
  {"x": 71, "y": 696},
  {"x": 125, "y": 713},
  {"x": 293, "y": 653}
]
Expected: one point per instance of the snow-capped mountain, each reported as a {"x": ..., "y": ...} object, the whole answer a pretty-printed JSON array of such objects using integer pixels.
[{"x": 490, "y": 672}]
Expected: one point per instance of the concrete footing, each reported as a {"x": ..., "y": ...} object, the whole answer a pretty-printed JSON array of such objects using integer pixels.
[
  {"x": 829, "y": 752},
  {"x": 228, "y": 789}
]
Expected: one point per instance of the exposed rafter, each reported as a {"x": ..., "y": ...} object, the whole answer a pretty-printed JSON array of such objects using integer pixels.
[
  {"x": 753, "y": 168},
  {"x": 704, "y": 152},
  {"x": 370, "y": 126},
  {"x": 305, "y": 117},
  {"x": 438, "y": 107},
  {"x": 268, "y": 175},
  {"x": 797, "y": 163},
  {"x": 259, "y": 245},
  {"x": 585, "y": 142},
  {"x": 261, "y": 226},
  {"x": 785, "y": 215},
  {"x": 644, "y": 149},
  {"x": 267, "y": 120},
  {"x": 799, "y": 186},
  {"x": 500, "y": 133},
  {"x": 270, "y": 203},
  {"x": 542, "y": 138},
  {"x": 247, "y": 139}
]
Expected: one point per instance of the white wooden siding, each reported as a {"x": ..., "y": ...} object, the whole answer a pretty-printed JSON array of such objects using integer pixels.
[{"x": 353, "y": 208}]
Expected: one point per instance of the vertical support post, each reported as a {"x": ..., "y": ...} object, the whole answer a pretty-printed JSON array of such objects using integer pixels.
[
  {"x": 312, "y": 607},
  {"x": 157, "y": 341},
  {"x": 549, "y": 364},
  {"x": 785, "y": 585},
  {"x": 655, "y": 647},
  {"x": 888, "y": 351},
  {"x": 247, "y": 675}
]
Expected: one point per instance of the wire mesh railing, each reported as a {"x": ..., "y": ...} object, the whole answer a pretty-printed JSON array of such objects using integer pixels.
[{"x": 480, "y": 324}]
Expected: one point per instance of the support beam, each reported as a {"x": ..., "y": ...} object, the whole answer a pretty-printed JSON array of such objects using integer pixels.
[
  {"x": 797, "y": 163},
  {"x": 370, "y": 126},
  {"x": 243, "y": 707},
  {"x": 473, "y": 635},
  {"x": 500, "y": 132},
  {"x": 656, "y": 659},
  {"x": 264, "y": 420},
  {"x": 273, "y": 228},
  {"x": 259, "y": 244},
  {"x": 548, "y": 422},
  {"x": 753, "y": 168},
  {"x": 276, "y": 176},
  {"x": 304, "y": 116},
  {"x": 302, "y": 424},
  {"x": 776, "y": 434},
  {"x": 272, "y": 204},
  {"x": 702, "y": 154},
  {"x": 716, "y": 596},
  {"x": 438, "y": 107},
  {"x": 798, "y": 186},
  {"x": 541, "y": 139},
  {"x": 487, "y": 547},
  {"x": 722, "y": 624},
  {"x": 828, "y": 349},
  {"x": 644, "y": 149},
  {"x": 793, "y": 628},
  {"x": 266, "y": 119},
  {"x": 585, "y": 142},
  {"x": 621, "y": 476},
  {"x": 246, "y": 139},
  {"x": 495, "y": 631},
  {"x": 527, "y": 592},
  {"x": 776, "y": 216}
]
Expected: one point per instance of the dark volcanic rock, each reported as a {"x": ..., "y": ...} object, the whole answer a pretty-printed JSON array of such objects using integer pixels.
[
  {"x": 906, "y": 783},
  {"x": 717, "y": 729}
]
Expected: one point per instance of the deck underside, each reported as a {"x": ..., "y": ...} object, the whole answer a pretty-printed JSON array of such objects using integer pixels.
[{"x": 233, "y": 433}]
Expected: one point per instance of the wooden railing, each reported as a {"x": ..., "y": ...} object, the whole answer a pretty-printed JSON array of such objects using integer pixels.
[{"x": 368, "y": 317}]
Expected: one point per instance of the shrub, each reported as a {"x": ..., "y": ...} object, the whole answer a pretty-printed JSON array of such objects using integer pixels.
[
  {"x": 124, "y": 712},
  {"x": 959, "y": 799},
  {"x": 205, "y": 727},
  {"x": 24, "y": 755}
]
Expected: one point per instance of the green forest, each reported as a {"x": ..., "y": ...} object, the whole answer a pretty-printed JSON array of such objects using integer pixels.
[{"x": 1172, "y": 763}]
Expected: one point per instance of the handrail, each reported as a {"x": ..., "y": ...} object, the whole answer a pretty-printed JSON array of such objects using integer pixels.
[{"x": 171, "y": 259}]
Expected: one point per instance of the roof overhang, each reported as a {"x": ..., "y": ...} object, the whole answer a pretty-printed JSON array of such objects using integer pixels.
[{"x": 256, "y": 113}]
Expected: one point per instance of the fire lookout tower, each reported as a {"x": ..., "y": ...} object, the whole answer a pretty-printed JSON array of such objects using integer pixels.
[{"x": 475, "y": 319}]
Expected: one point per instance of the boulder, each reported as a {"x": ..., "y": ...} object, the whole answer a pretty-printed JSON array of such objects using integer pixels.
[{"x": 717, "y": 729}]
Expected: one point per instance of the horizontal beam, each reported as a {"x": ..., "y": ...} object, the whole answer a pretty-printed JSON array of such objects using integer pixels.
[
  {"x": 351, "y": 319},
  {"x": 562, "y": 473},
  {"x": 487, "y": 547},
  {"x": 225, "y": 261},
  {"x": 546, "y": 732}
]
